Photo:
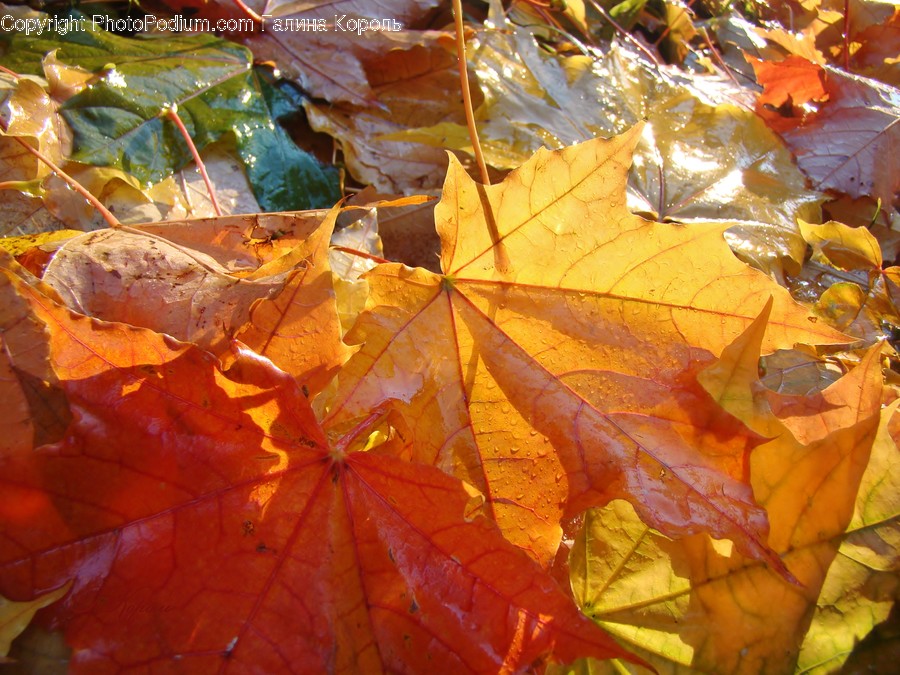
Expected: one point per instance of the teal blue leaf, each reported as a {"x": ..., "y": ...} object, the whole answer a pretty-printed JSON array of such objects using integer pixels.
[{"x": 120, "y": 120}]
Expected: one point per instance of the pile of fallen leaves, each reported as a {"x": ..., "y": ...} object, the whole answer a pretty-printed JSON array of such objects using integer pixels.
[{"x": 638, "y": 410}]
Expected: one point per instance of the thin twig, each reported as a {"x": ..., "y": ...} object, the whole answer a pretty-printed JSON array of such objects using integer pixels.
[
  {"x": 467, "y": 95},
  {"x": 172, "y": 114},
  {"x": 628, "y": 37},
  {"x": 104, "y": 212}
]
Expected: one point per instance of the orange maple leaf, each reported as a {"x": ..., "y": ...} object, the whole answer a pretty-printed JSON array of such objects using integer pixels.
[
  {"x": 554, "y": 364},
  {"x": 209, "y": 525},
  {"x": 793, "y": 81},
  {"x": 849, "y": 142}
]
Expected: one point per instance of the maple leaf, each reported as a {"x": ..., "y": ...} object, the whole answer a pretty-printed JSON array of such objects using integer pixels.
[
  {"x": 407, "y": 232},
  {"x": 146, "y": 280},
  {"x": 350, "y": 290},
  {"x": 208, "y": 280},
  {"x": 21, "y": 211},
  {"x": 209, "y": 525},
  {"x": 878, "y": 49},
  {"x": 861, "y": 35},
  {"x": 561, "y": 352},
  {"x": 29, "y": 116},
  {"x": 844, "y": 247},
  {"x": 845, "y": 279},
  {"x": 857, "y": 592},
  {"x": 37, "y": 414},
  {"x": 679, "y": 32},
  {"x": 700, "y": 604},
  {"x": 324, "y": 62},
  {"x": 793, "y": 79},
  {"x": 849, "y": 144},
  {"x": 30, "y": 112},
  {"x": 704, "y": 156},
  {"x": 121, "y": 119},
  {"x": 33, "y": 116},
  {"x": 17, "y": 425},
  {"x": 409, "y": 84},
  {"x": 206, "y": 521}
]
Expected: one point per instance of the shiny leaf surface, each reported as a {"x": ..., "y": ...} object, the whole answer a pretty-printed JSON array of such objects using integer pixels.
[
  {"x": 861, "y": 585},
  {"x": 698, "y": 605},
  {"x": 410, "y": 84},
  {"x": 850, "y": 144},
  {"x": 209, "y": 525},
  {"x": 120, "y": 120},
  {"x": 704, "y": 156},
  {"x": 327, "y": 62},
  {"x": 545, "y": 374}
]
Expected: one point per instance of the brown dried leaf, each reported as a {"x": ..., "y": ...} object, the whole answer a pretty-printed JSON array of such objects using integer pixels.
[{"x": 413, "y": 86}]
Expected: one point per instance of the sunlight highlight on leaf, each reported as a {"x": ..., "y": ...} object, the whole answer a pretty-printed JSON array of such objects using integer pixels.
[
  {"x": 547, "y": 337},
  {"x": 694, "y": 603},
  {"x": 204, "y": 517}
]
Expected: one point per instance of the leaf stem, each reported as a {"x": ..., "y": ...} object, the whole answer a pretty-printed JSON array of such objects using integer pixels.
[
  {"x": 668, "y": 28},
  {"x": 359, "y": 254},
  {"x": 718, "y": 57},
  {"x": 249, "y": 12},
  {"x": 501, "y": 259},
  {"x": 107, "y": 215},
  {"x": 628, "y": 37},
  {"x": 172, "y": 114},
  {"x": 466, "y": 94},
  {"x": 847, "y": 35},
  {"x": 367, "y": 424}
]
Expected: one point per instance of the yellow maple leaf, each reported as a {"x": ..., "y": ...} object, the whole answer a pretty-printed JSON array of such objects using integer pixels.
[{"x": 553, "y": 365}]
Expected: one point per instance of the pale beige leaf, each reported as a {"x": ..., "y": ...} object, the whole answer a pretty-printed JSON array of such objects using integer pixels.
[{"x": 147, "y": 281}]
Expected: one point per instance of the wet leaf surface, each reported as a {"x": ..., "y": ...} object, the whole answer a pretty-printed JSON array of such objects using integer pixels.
[
  {"x": 120, "y": 119},
  {"x": 343, "y": 559},
  {"x": 582, "y": 332}
]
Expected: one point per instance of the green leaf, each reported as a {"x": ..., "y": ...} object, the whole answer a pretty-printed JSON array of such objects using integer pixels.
[
  {"x": 120, "y": 120},
  {"x": 284, "y": 177}
]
